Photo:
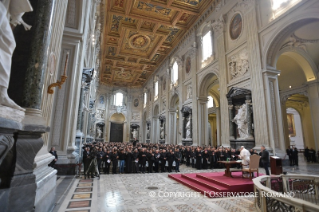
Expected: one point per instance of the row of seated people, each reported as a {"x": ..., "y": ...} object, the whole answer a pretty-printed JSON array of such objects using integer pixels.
[{"x": 144, "y": 157}]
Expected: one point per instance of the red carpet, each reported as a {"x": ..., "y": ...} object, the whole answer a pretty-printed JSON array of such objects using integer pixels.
[{"x": 213, "y": 182}]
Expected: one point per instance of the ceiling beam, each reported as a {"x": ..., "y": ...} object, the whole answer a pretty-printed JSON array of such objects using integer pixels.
[
  {"x": 128, "y": 7},
  {"x": 172, "y": 7},
  {"x": 176, "y": 18}
]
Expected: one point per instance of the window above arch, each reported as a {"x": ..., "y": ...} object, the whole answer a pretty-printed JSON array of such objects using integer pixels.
[
  {"x": 210, "y": 102},
  {"x": 145, "y": 99},
  {"x": 156, "y": 90},
  {"x": 174, "y": 74},
  {"x": 276, "y": 4},
  {"x": 118, "y": 99},
  {"x": 207, "y": 46}
]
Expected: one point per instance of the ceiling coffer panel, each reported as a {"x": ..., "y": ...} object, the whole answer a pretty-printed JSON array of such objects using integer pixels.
[{"x": 139, "y": 35}]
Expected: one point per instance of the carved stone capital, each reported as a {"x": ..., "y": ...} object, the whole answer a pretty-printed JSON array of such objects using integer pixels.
[
  {"x": 218, "y": 25},
  {"x": 192, "y": 51}
]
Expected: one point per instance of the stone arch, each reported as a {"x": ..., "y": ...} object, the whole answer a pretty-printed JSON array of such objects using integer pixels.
[
  {"x": 156, "y": 110},
  {"x": 303, "y": 109},
  {"x": 273, "y": 46},
  {"x": 304, "y": 61},
  {"x": 206, "y": 83},
  {"x": 174, "y": 98},
  {"x": 117, "y": 117},
  {"x": 215, "y": 96}
]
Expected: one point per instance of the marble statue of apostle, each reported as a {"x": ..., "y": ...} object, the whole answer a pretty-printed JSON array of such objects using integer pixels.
[
  {"x": 188, "y": 128},
  {"x": 99, "y": 133},
  {"x": 148, "y": 134},
  {"x": 135, "y": 133},
  {"x": 162, "y": 133},
  {"x": 16, "y": 9},
  {"x": 240, "y": 120}
]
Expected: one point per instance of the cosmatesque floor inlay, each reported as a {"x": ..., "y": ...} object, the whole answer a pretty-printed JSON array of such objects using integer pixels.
[
  {"x": 83, "y": 190},
  {"x": 82, "y": 196},
  {"x": 79, "y": 204}
]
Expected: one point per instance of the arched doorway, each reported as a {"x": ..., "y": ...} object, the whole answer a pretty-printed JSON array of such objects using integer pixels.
[
  {"x": 208, "y": 111},
  {"x": 173, "y": 126},
  {"x": 294, "y": 53},
  {"x": 295, "y": 128},
  {"x": 117, "y": 127}
]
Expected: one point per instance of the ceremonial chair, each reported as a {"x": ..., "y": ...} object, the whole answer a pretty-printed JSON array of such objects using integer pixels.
[{"x": 253, "y": 166}]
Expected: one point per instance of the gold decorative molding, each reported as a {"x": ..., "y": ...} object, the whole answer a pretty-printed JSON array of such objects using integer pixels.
[{"x": 63, "y": 78}]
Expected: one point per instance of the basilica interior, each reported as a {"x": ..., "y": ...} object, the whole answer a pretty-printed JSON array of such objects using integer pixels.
[{"x": 206, "y": 73}]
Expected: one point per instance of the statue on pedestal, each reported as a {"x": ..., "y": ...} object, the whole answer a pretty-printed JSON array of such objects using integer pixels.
[
  {"x": 240, "y": 120},
  {"x": 16, "y": 9},
  {"x": 162, "y": 132},
  {"x": 188, "y": 128},
  {"x": 148, "y": 134},
  {"x": 135, "y": 134},
  {"x": 99, "y": 133}
]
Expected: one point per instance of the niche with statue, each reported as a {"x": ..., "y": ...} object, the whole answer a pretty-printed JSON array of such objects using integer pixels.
[
  {"x": 135, "y": 131},
  {"x": 241, "y": 126},
  {"x": 187, "y": 138},
  {"x": 148, "y": 131},
  {"x": 162, "y": 120},
  {"x": 99, "y": 132}
]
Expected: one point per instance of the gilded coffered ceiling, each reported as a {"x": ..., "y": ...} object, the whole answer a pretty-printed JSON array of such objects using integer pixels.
[{"x": 138, "y": 35}]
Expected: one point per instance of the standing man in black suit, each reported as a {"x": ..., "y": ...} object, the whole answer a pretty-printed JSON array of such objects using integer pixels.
[
  {"x": 142, "y": 160},
  {"x": 265, "y": 158},
  {"x": 289, "y": 153},
  {"x": 294, "y": 154},
  {"x": 157, "y": 156},
  {"x": 53, "y": 152}
]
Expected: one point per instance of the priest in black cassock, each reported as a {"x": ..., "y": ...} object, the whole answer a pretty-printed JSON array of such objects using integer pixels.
[{"x": 198, "y": 158}]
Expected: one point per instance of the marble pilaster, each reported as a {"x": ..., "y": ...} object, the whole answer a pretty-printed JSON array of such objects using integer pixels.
[
  {"x": 218, "y": 125},
  {"x": 219, "y": 28},
  {"x": 172, "y": 129},
  {"x": 276, "y": 115},
  {"x": 202, "y": 121},
  {"x": 257, "y": 86},
  {"x": 313, "y": 97}
]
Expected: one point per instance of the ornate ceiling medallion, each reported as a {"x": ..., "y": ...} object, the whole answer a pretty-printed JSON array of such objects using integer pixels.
[
  {"x": 125, "y": 75},
  {"x": 139, "y": 41}
]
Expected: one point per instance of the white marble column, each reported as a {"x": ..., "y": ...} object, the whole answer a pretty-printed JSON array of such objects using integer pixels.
[{"x": 313, "y": 97}]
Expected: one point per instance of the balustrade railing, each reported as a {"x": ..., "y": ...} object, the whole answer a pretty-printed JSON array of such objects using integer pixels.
[{"x": 289, "y": 192}]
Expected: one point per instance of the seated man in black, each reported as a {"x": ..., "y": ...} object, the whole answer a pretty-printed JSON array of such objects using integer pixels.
[{"x": 53, "y": 152}]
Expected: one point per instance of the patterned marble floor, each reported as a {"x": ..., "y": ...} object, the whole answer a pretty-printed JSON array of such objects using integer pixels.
[{"x": 131, "y": 193}]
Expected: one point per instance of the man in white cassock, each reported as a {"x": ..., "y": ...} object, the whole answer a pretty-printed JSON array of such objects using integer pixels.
[
  {"x": 245, "y": 159},
  {"x": 9, "y": 10}
]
